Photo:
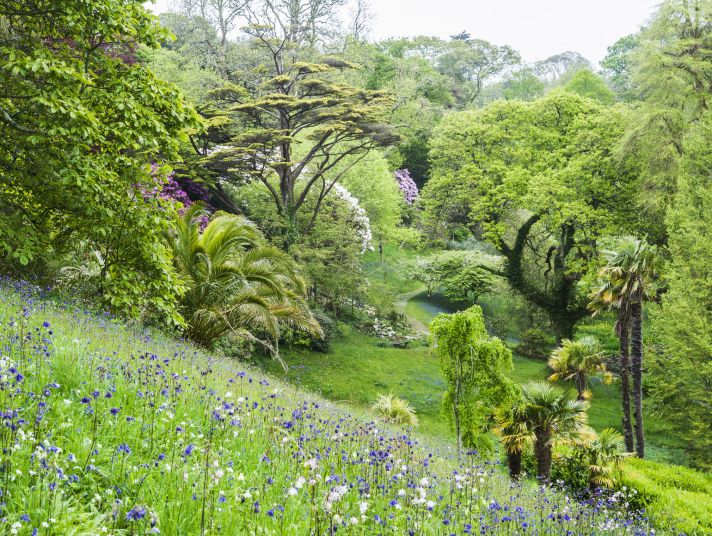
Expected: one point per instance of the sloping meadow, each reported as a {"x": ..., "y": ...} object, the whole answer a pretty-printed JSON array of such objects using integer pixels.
[{"x": 113, "y": 429}]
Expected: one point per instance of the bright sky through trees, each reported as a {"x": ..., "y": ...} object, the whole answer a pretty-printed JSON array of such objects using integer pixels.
[{"x": 536, "y": 28}]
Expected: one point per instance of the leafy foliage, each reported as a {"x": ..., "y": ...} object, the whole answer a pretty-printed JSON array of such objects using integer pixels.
[
  {"x": 541, "y": 182},
  {"x": 575, "y": 361},
  {"x": 236, "y": 283},
  {"x": 475, "y": 369},
  {"x": 395, "y": 410},
  {"x": 81, "y": 121}
]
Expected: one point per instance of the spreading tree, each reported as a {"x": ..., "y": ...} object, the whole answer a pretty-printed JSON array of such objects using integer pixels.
[{"x": 542, "y": 183}]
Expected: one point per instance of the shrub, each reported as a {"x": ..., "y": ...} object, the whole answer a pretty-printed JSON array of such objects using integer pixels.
[
  {"x": 676, "y": 498},
  {"x": 395, "y": 410},
  {"x": 535, "y": 344}
]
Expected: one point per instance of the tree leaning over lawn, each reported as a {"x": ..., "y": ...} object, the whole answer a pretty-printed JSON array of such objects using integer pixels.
[
  {"x": 541, "y": 182},
  {"x": 475, "y": 368},
  {"x": 297, "y": 126},
  {"x": 80, "y": 123}
]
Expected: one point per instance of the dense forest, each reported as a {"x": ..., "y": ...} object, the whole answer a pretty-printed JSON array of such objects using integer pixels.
[{"x": 505, "y": 263}]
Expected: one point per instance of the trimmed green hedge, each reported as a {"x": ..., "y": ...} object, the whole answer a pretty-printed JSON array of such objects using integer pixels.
[{"x": 676, "y": 498}]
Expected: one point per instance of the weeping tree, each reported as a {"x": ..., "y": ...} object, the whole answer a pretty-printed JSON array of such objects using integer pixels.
[
  {"x": 475, "y": 369},
  {"x": 236, "y": 282}
]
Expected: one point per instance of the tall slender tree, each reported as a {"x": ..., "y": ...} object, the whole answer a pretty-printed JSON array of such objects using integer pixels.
[{"x": 631, "y": 273}]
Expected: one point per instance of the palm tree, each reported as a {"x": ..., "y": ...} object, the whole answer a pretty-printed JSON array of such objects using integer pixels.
[
  {"x": 516, "y": 436},
  {"x": 550, "y": 414},
  {"x": 235, "y": 282},
  {"x": 630, "y": 279},
  {"x": 606, "y": 297},
  {"x": 602, "y": 455},
  {"x": 576, "y": 361}
]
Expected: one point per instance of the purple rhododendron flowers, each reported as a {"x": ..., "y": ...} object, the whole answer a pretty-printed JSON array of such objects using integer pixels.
[{"x": 407, "y": 185}]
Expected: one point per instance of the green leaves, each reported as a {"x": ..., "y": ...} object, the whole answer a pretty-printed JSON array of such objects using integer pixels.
[{"x": 82, "y": 122}]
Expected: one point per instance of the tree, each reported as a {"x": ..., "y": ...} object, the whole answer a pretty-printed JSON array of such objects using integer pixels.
[
  {"x": 556, "y": 66},
  {"x": 512, "y": 428},
  {"x": 224, "y": 15},
  {"x": 427, "y": 271},
  {"x": 588, "y": 84},
  {"x": 682, "y": 366},
  {"x": 602, "y": 458},
  {"x": 618, "y": 65},
  {"x": 236, "y": 282},
  {"x": 295, "y": 23},
  {"x": 550, "y": 415},
  {"x": 475, "y": 369},
  {"x": 472, "y": 62},
  {"x": 522, "y": 85},
  {"x": 297, "y": 129},
  {"x": 673, "y": 76},
  {"x": 81, "y": 121},
  {"x": 631, "y": 270},
  {"x": 542, "y": 183},
  {"x": 605, "y": 297},
  {"x": 576, "y": 361}
]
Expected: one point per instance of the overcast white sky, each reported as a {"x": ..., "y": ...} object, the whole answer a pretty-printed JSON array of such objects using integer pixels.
[{"x": 536, "y": 28}]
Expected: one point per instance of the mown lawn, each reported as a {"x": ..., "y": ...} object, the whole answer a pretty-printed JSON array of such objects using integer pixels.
[{"x": 358, "y": 369}]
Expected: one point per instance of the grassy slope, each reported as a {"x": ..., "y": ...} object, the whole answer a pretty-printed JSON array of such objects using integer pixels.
[{"x": 114, "y": 429}]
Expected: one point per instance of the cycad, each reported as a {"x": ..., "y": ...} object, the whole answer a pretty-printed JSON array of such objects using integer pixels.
[
  {"x": 236, "y": 282},
  {"x": 576, "y": 361}
]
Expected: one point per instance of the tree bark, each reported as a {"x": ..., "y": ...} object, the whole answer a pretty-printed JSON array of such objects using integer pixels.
[
  {"x": 624, "y": 344},
  {"x": 542, "y": 453},
  {"x": 514, "y": 461},
  {"x": 636, "y": 339}
]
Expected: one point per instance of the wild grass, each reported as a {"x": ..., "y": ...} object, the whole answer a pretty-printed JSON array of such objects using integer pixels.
[{"x": 113, "y": 429}]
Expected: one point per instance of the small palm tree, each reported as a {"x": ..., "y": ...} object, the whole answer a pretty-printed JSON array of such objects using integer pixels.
[
  {"x": 630, "y": 278},
  {"x": 516, "y": 436},
  {"x": 550, "y": 414},
  {"x": 603, "y": 456},
  {"x": 235, "y": 282},
  {"x": 576, "y": 361},
  {"x": 395, "y": 410}
]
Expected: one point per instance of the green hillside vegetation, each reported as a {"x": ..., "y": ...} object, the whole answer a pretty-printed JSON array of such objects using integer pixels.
[{"x": 262, "y": 273}]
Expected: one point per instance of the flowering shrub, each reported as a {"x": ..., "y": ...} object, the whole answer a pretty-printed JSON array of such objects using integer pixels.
[
  {"x": 108, "y": 429},
  {"x": 407, "y": 185},
  {"x": 361, "y": 222}
]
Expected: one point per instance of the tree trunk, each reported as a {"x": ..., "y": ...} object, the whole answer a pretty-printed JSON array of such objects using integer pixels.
[
  {"x": 542, "y": 453},
  {"x": 562, "y": 323},
  {"x": 514, "y": 461},
  {"x": 581, "y": 387},
  {"x": 624, "y": 342},
  {"x": 636, "y": 339}
]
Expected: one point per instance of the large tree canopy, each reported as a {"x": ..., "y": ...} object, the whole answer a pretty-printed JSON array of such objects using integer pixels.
[
  {"x": 541, "y": 181},
  {"x": 80, "y": 123}
]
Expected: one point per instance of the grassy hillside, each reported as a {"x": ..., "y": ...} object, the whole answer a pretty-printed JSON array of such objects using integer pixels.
[{"x": 110, "y": 429}]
